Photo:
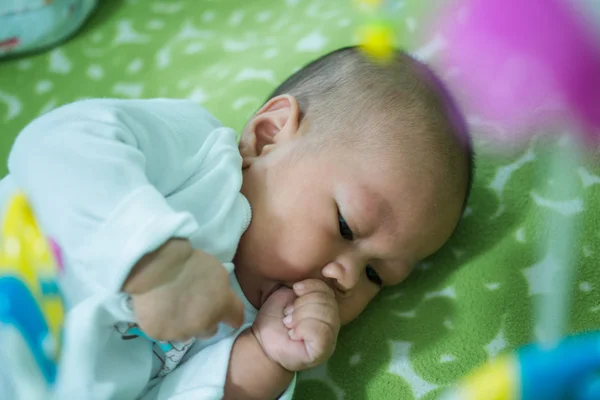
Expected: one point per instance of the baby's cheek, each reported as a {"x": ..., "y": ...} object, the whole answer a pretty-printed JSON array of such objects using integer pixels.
[
  {"x": 305, "y": 257},
  {"x": 352, "y": 306}
]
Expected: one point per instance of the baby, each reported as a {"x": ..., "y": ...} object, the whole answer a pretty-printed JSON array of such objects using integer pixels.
[{"x": 348, "y": 176}]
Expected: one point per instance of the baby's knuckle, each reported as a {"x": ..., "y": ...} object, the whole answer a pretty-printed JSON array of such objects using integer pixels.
[
  {"x": 322, "y": 297},
  {"x": 332, "y": 309},
  {"x": 322, "y": 287},
  {"x": 322, "y": 354},
  {"x": 330, "y": 320},
  {"x": 326, "y": 332},
  {"x": 328, "y": 336},
  {"x": 319, "y": 284}
]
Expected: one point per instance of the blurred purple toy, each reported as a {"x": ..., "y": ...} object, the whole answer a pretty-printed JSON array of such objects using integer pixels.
[
  {"x": 514, "y": 57},
  {"x": 525, "y": 64}
]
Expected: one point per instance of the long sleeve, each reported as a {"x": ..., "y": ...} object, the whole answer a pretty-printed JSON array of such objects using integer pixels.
[
  {"x": 98, "y": 172},
  {"x": 111, "y": 180},
  {"x": 203, "y": 376}
]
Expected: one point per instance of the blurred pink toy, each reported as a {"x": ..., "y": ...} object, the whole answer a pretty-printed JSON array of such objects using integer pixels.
[
  {"x": 514, "y": 57},
  {"x": 526, "y": 64}
]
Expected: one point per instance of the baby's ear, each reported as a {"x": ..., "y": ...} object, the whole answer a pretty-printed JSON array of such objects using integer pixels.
[{"x": 276, "y": 122}]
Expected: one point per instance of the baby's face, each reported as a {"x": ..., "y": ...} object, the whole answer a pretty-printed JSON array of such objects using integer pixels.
[{"x": 357, "y": 220}]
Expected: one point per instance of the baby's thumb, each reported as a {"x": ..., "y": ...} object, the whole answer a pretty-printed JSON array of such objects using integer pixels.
[{"x": 234, "y": 311}]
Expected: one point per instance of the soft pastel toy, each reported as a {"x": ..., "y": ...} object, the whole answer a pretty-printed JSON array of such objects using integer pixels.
[
  {"x": 31, "y": 308},
  {"x": 523, "y": 64},
  {"x": 566, "y": 371},
  {"x": 515, "y": 57}
]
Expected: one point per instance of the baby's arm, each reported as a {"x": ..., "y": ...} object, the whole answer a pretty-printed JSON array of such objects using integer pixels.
[
  {"x": 176, "y": 271},
  {"x": 97, "y": 173},
  {"x": 295, "y": 330},
  {"x": 260, "y": 362},
  {"x": 252, "y": 374}
]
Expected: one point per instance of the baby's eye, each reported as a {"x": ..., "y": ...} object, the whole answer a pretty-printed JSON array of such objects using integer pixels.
[
  {"x": 345, "y": 230},
  {"x": 373, "y": 276}
]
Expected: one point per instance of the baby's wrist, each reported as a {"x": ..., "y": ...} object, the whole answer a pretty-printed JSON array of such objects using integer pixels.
[
  {"x": 275, "y": 364},
  {"x": 252, "y": 374},
  {"x": 149, "y": 271}
]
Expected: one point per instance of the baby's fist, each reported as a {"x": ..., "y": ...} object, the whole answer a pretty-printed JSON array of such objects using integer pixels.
[
  {"x": 313, "y": 320},
  {"x": 298, "y": 329}
]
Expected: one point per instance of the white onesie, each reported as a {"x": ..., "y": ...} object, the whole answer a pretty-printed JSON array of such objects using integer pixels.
[{"x": 111, "y": 180}]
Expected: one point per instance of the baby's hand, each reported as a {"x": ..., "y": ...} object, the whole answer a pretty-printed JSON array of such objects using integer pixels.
[
  {"x": 299, "y": 332},
  {"x": 179, "y": 292}
]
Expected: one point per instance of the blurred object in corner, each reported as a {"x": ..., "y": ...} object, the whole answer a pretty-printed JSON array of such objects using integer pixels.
[
  {"x": 513, "y": 59},
  {"x": 31, "y": 305},
  {"x": 31, "y": 25}
]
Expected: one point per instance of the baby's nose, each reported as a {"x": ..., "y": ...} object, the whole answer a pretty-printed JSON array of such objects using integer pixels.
[
  {"x": 340, "y": 277},
  {"x": 350, "y": 278}
]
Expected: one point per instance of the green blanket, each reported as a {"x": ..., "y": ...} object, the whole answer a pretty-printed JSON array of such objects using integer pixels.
[{"x": 470, "y": 302}]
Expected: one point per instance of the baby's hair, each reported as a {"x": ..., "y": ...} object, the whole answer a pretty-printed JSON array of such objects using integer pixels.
[{"x": 343, "y": 93}]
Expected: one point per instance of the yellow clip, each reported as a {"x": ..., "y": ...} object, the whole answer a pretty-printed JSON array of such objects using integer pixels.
[{"x": 377, "y": 41}]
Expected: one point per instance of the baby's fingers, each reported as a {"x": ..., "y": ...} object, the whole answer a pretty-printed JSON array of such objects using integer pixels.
[
  {"x": 307, "y": 286},
  {"x": 313, "y": 299},
  {"x": 325, "y": 313},
  {"x": 319, "y": 339}
]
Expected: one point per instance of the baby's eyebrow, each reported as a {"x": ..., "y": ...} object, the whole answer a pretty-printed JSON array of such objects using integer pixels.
[{"x": 370, "y": 211}]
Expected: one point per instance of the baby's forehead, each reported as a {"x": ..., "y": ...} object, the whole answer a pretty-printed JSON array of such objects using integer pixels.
[
  {"x": 397, "y": 219},
  {"x": 414, "y": 181}
]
